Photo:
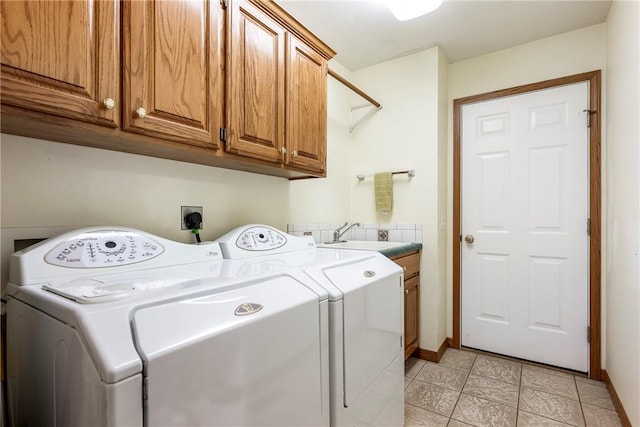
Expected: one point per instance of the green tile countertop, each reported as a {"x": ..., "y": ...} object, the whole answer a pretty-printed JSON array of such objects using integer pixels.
[{"x": 401, "y": 250}]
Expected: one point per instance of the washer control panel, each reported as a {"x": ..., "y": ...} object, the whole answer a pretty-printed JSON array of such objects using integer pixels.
[
  {"x": 260, "y": 238},
  {"x": 104, "y": 249}
]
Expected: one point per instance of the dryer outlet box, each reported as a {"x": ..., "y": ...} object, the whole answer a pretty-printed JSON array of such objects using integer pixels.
[{"x": 184, "y": 210}]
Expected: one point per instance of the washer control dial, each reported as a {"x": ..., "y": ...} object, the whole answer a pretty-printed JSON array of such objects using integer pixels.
[{"x": 104, "y": 249}]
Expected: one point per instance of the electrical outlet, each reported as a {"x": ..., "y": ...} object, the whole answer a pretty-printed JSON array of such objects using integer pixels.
[
  {"x": 383, "y": 235},
  {"x": 184, "y": 210}
]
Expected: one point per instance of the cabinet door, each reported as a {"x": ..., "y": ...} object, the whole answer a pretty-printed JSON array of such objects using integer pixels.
[
  {"x": 306, "y": 138},
  {"x": 411, "y": 315},
  {"x": 62, "y": 58},
  {"x": 172, "y": 81},
  {"x": 256, "y": 79}
]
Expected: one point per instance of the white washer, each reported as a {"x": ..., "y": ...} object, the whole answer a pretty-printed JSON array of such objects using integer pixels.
[
  {"x": 116, "y": 327},
  {"x": 366, "y": 318}
]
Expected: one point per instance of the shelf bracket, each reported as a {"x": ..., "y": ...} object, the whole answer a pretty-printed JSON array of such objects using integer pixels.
[{"x": 371, "y": 103}]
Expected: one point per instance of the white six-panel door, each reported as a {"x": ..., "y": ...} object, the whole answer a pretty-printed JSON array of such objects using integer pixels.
[{"x": 524, "y": 212}]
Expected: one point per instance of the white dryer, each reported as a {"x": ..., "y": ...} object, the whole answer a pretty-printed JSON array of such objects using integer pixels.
[
  {"x": 116, "y": 327},
  {"x": 366, "y": 318}
]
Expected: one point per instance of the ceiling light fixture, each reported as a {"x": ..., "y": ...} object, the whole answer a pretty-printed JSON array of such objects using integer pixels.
[{"x": 405, "y": 10}]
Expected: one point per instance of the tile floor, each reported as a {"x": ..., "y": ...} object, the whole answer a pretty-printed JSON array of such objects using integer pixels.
[{"x": 468, "y": 388}]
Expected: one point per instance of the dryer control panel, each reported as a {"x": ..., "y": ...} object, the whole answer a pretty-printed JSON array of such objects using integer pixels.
[
  {"x": 260, "y": 238},
  {"x": 257, "y": 239},
  {"x": 104, "y": 249}
]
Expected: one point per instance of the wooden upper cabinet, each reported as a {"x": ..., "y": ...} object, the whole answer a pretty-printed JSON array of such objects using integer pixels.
[
  {"x": 277, "y": 80},
  {"x": 256, "y": 82},
  {"x": 62, "y": 58},
  {"x": 306, "y": 107},
  {"x": 172, "y": 78}
]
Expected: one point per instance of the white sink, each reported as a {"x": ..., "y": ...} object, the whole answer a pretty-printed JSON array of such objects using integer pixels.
[{"x": 368, "y": 245}]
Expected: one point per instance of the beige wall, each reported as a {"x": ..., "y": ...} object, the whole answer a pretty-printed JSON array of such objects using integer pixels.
[
  {"x": 405, "y": 134},
  {"x": 51, "y": 184},
  {"x": 409, "y": 132},
  {"x": 622, "y": 241},
  {"x": 566, "y": 54},
  {"x": 327, "y": 199}
]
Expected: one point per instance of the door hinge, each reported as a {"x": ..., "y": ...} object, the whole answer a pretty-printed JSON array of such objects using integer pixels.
[
  {"x": 223, "y": 3},
  {"x": 588, "y": 226},
  {"x": 590, "y": 112},
  {"x": 223, "y": 134},
  {"x": 589, "y": 334}
]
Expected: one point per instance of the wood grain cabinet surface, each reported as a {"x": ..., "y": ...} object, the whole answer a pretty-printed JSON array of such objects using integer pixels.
[
  {"x": 278, "y": 89},
  {"x": 185, "y": 76},
  {"x": 172, "y": 84},
  {"x": 411, "y": 265},
  {"x": 62, "y": 58}
]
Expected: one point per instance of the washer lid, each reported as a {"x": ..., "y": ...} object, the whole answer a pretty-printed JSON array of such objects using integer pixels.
[
  {"x": 253, "y": 355},
  {"x": 149, "y": 284},
  {"x": 158, "y": 330}
]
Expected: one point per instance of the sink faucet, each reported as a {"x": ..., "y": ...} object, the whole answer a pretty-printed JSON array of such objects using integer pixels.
[{"x": 339, "y": 232}]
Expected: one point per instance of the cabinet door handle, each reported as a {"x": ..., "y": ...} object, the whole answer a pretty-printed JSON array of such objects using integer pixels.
[
  {"x": 406, "y": 292},
  {"x": 283, "y": 150},
  {"x": 294, "y": 154},
  {"x": 141, "y": 112},
  {"x": 109, "y": 103}
]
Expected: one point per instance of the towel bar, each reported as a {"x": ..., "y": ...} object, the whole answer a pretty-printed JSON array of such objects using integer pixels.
[{"x": 409, "y": 172}]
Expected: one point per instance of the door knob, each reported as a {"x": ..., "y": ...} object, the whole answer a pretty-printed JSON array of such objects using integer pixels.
[{"x": 469, "y": 239}]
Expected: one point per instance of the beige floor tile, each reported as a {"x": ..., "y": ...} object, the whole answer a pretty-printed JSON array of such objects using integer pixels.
[
  {"x": 407, "y": 380},
  {"x": 481, "y": 412},
  {"x": 458, "y": 359},
  {"x": 595, "y": 395},
  {"x": 431, "y": 397},
  {"x": 526, "y": 419},
  {"x": 498, "y": 369},
  {"x": 490, "y": 389},
  {"x": 412, "y": 366},
  {"x": 600, "y": 417},
  {"x": 582, "y": 379},
  {"x": 414, "y": 416},
  {"x": 551, "y": 406},
  {"x": 456, "y": 423},
  {"x": 554, "y": 384},
  {"x": 527, "y": 367},
  {"x": 443, "y": 376}
]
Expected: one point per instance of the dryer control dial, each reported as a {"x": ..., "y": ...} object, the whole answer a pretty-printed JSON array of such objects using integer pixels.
[
  {"x": 260, "y": 239},
  {"x": 104, "y": 249}
]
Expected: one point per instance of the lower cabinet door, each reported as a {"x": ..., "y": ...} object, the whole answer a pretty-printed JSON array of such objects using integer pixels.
[{"x": 411, "y": 315}]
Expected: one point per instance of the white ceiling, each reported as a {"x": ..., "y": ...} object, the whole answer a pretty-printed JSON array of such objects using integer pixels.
[{"x": 364, "y": 32}]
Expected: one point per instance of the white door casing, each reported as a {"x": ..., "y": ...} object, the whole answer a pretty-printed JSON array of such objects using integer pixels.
[{"x": 525, "y": 201}]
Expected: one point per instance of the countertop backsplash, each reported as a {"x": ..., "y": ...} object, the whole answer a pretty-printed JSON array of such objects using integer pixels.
[{"x": 407, "y": 233}]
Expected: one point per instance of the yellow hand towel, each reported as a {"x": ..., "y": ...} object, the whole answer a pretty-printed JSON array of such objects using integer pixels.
[{"x": 383, "y": 187}]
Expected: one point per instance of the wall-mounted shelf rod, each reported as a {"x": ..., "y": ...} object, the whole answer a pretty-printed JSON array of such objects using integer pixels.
[
  {"x": 409, "y": 172},
  {"x": 348, "y": 84}
]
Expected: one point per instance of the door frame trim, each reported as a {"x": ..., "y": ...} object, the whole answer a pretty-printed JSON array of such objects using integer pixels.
[{"x": 594, "y": 79}]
